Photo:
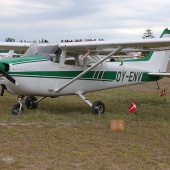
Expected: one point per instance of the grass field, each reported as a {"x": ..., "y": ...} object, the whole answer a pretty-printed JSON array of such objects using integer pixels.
[{"x": 62, "y": 134}]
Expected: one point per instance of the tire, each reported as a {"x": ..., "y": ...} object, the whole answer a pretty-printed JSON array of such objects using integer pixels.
[
  {"x": 16, "y": 109},
  {"x": 98, "y": 107},
  {"x": 30, "y": 102}
]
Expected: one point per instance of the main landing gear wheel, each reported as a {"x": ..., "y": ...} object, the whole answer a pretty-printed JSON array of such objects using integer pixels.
[
  {"x": 98, "y": 108},
  {"x": 16, "y": 110},
  {"x": 30, "y": 102}
]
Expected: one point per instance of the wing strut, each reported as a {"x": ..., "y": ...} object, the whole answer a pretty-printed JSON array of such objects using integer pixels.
[{"x": 90, "y": 68}]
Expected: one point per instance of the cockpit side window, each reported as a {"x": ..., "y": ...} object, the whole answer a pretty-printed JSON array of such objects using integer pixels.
[{"x": 46, "y": 50}]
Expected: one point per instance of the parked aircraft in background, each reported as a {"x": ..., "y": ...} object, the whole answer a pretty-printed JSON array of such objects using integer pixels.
[{"x": 8, "y": 54}]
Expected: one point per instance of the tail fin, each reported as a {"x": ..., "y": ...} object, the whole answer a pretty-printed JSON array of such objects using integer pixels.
[
  {"x": 158, "y": 60},
  {"x": 10, "y": 53}
]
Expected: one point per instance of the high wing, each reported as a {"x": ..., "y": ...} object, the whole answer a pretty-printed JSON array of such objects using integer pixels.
[
  {"x": 14, "y": 46},
  {"x": 126, "y": 50},
  {"x": 108, "y": 45}
]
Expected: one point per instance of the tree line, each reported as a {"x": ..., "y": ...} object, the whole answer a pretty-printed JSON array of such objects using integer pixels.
[
  {"x": 147, "y": 34},
  {"x": 34, "y": 41}
]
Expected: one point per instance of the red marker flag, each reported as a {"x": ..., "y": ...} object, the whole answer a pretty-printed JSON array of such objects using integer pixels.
[
  {"x": 163, "y": 92},
  {"x": 132, "y": 107}
]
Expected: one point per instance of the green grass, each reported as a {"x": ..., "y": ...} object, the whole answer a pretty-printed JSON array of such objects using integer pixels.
[{"x": 62, "y": 134}]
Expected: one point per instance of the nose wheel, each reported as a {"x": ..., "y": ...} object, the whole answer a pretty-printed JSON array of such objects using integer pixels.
[
  {"x": 17, "y": 109},
  {"x": 31, "y": 102}
]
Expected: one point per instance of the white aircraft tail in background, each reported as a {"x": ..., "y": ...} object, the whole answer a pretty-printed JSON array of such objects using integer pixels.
[
  {"x": 7, "y": 54},
  {"x": 11, "y": 54}
]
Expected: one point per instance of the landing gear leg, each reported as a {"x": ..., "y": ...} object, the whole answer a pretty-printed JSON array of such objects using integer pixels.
[
  {"x": 17, "y": 109},
  {"x": 98, "y": 107}
]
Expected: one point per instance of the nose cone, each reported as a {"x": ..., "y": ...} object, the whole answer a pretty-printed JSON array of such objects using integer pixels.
[{"x": 2, "y": 66}]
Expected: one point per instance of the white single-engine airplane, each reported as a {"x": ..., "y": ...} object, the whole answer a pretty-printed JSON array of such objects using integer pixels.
[{"x": 76, "y": 68}]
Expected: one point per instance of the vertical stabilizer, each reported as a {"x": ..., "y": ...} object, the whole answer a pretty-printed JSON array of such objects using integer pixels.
[
  {"x": 158, "y": 61},
  {"x": 10, "y": 54}
]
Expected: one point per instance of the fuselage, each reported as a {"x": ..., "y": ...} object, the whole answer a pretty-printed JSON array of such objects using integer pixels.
[{"x": 42, "y": 75}]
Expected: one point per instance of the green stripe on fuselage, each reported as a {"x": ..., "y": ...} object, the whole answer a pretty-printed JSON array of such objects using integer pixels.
[
  {"x": 107, "y": 75},
  {"x": 146, "y": 77},
  {"x": 21, "y": 60},
  {"x": 92, "y": 75}
]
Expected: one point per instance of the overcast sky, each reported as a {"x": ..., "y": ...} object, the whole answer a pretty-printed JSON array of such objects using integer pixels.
[{"x": 79, "y": 19}]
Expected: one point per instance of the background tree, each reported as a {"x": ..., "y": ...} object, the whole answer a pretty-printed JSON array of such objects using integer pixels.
[
  {"x": 10, "y": 40},
  {"x": 25, "y": 41},
  {"x": 43, "y": 41},
  {"x": 148, "y": 34}
]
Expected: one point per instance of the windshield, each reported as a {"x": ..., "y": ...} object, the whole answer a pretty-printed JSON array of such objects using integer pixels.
[{"x": 45, "y": 50}]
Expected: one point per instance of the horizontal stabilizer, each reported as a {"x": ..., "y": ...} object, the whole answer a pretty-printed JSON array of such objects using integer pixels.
[{"x": 159, "y": 74}]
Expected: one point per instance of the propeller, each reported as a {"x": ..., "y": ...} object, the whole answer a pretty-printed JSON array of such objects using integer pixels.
[
  {"x": 2, "y": 92},
  {"x": 8, "y": 77},
  {"x": 3, "y": 89}
]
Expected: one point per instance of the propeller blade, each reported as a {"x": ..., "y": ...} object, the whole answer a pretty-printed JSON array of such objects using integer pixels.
[
  {"x": 8, "y": 77},
  {"x": 2, "y": 92}
]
